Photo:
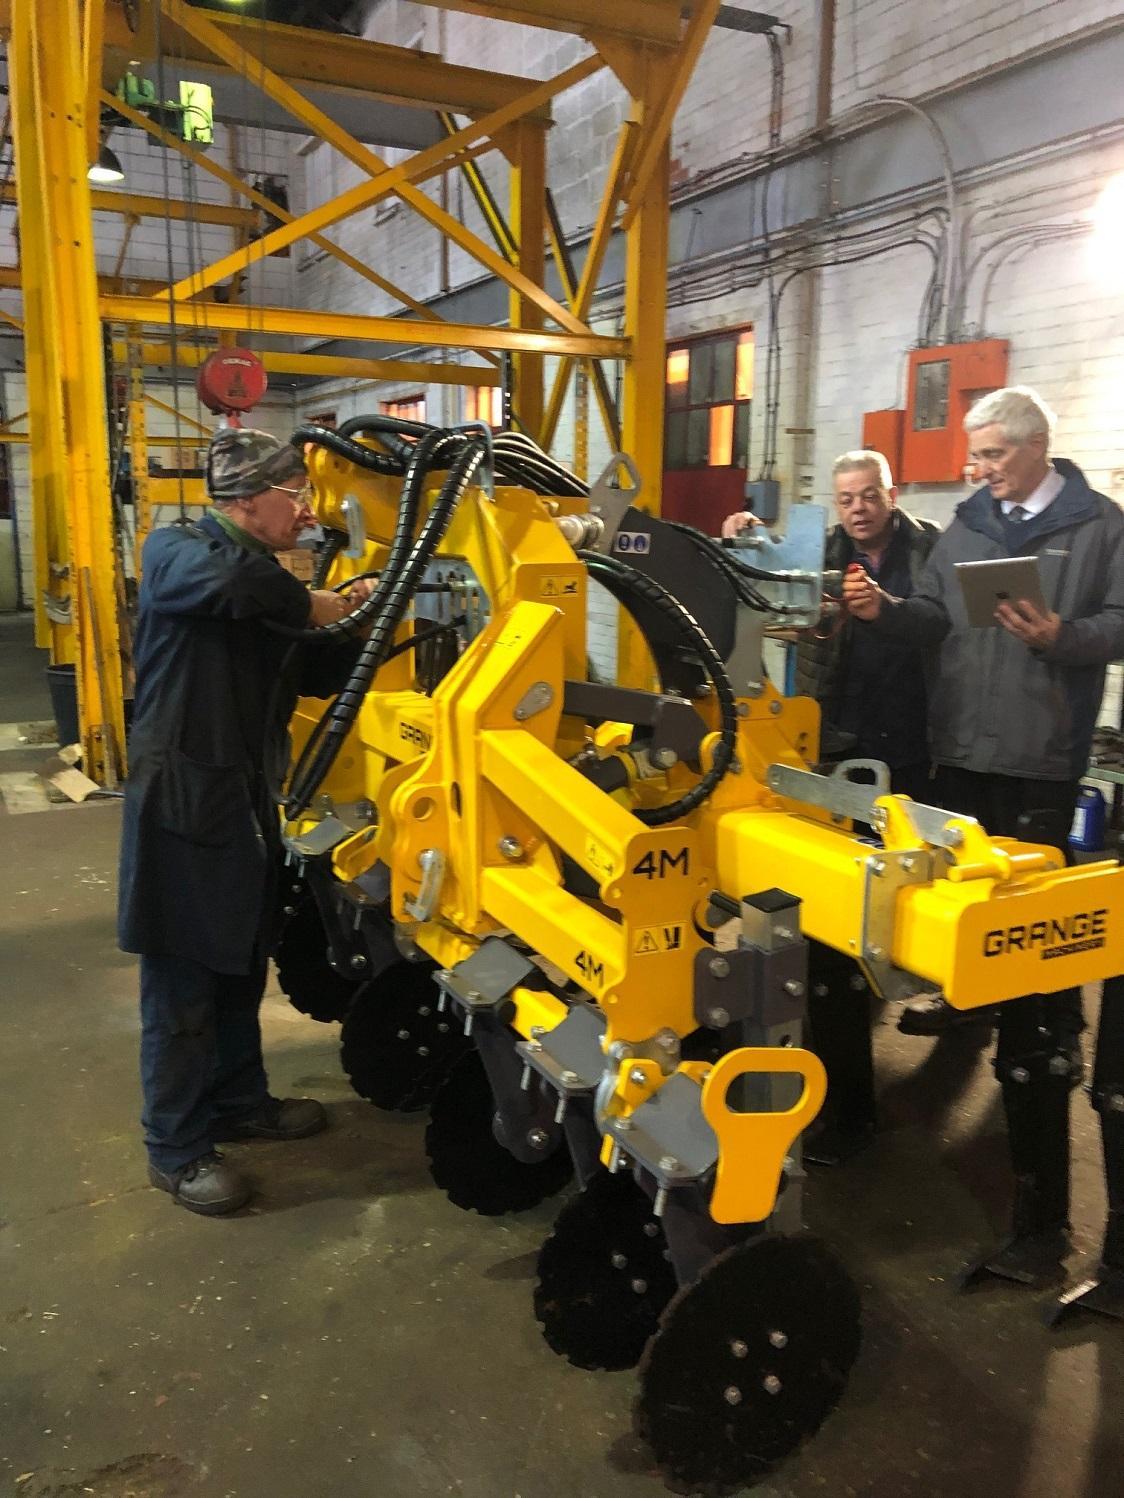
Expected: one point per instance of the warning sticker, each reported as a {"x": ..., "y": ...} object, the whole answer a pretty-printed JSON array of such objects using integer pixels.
[
  {"x": 651, "y": 939},
  {"x": 598, "y": 858},
  {"x": 559, "y": 587}
]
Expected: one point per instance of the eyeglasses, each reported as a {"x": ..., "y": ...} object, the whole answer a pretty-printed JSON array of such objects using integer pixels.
[{"x": 304, "y": 494}]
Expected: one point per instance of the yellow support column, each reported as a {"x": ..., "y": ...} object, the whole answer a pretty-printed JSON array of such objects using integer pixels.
[
  {"x": 528, "y": 229},
  {"x": 138, "y": 455},
  {"x": 645, "y": 317},
  {"x": 54, "y": 629},
  {"x": 55, "y": 209}
]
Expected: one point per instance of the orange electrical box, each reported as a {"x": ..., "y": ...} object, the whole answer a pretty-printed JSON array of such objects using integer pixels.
[
  {"x": 943, "y": 383},
  {"x": 882, "y": 431}
]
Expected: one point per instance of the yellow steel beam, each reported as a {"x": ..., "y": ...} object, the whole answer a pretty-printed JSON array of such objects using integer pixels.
[
  {"x": 325, "y": 366},
  {"x": 301, "y": 322},
  {"x": 238, "y": 186},
  {"x": 93, "y": 32},
  {"x": 12, "y": 279},
  {"x": 590, "y": 274},
  {"x": 55, "y": 197},
  {"x": 386, "y": 179},
  {"x": 145, "y": 205},
  {"x": 655, "y": 21},
  {"x": 657, "y": 129},
  {"x": 305, "y": 55},
  {"x": 178, "y": 414},
  {"x": 527, "y": 215},
  {"x": 54, "y": 628},
  {"x": 10, "y": 317}
]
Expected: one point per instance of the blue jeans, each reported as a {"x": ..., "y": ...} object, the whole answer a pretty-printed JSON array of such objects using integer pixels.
[{"x": 201, "y": 1059}]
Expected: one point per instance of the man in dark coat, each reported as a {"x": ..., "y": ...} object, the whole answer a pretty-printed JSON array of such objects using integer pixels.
[
  {"x": 871, "y": 689},
  {"x": 1012, "y": 716},
  {"x": 200, "y": 842}
]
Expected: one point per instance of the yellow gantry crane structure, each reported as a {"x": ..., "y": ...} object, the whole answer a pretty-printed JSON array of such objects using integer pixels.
[{"x": 66, "y": 59}]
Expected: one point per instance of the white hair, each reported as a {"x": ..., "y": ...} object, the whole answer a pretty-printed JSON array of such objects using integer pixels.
[
  {"x": 864, "y": 457},
  {"x": 1017, "y": 410}
]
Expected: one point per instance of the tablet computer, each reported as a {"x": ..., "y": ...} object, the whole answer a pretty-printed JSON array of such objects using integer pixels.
[{"x": 985, "y": 585}]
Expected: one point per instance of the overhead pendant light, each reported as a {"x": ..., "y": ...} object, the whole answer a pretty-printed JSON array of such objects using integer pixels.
[{"x": 106, "y": 168}]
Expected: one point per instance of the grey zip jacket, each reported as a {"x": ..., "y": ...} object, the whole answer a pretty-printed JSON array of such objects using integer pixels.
[{"x": 997, "y": 707}]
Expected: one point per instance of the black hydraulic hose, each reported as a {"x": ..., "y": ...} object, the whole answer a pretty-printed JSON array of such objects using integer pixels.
[
  {"x": 343, "y": 447},
  {"x": 738, "y": 573},
  {"x": 329, "y": 549},
  {"x": 422, "y": 459},
  {"x": 396, "y": 599},
  {"x": 626, "y": 583},
  {"x": 389, "y": 430}
]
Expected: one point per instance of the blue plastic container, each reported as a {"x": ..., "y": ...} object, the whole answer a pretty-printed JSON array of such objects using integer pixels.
[{"x": 1089, "y": 819}]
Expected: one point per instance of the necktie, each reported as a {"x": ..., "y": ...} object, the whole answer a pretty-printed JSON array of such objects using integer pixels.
[{"x": 1017, "y": 513}]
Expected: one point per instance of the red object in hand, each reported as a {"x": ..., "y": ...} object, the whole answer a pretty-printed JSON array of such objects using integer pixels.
[{"x": 855, "y": 567}]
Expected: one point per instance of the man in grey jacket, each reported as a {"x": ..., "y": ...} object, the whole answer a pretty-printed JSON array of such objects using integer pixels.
[{"x": 1012, "y": 711}]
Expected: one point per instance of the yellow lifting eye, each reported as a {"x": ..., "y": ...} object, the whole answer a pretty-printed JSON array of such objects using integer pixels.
[{"x": 752, "y": 1146}]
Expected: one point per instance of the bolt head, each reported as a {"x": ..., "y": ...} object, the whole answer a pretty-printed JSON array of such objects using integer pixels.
[
  {"x": 669, "y": 1162},
  {"x": 775, "y": 708},
  {"x": 718, "y": 1018},
  {"x": 739, "y": 1348},
  {"x": 665, "y": 758},
  {"x": 403, "y": 1035},
  {"x": 570, "y": 1078},
  {"x": 719, "y": 967},
  {"x": 794, "y": 988},
  {"x": 538, "y": 1139},
  {"x": 651, "y": 1230},
  {"x": 288, "y": 909},
  {"x": 425, "y": 1011},
  {"x": 878, "y": 868},
  {"x": 778, "y": 1339},
  {"x": 876, "y": 954},
  {"x": 639, "y": 1286},
  {"x": 1019, "y": 1074},
  {"x": 624, "y": 1124},
  {"x": 618, "y": 1261},
  {"x": 732, "y": 1395},
  {"x": 667, "y": 1040},
  {"x": 771, "y": 1384},
  {"x": 359, "y": 962},
  {"x": 511, "y": 847},
  {"x": 954, "y": 837},
  {"x": 423, "y": 1050},
  {"x": 637, "y": 1075}
]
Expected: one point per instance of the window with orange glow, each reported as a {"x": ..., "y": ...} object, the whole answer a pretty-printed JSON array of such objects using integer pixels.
[
  {"x": 412, "y": 408},
  {"x": 709, "y": 388},
  {"x": 484, "y": 403}
]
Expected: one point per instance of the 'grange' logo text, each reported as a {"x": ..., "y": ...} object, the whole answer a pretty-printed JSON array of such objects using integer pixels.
[{"x": 1083, "y": 932}]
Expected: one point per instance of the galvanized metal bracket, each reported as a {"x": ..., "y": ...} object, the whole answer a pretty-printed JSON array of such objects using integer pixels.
[
  {"x": 609, "y": 502},
  {"x": 887, "y": 873}
]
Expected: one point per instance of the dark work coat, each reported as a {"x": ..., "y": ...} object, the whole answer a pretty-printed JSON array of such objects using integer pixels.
[
  {"x": 999, "y": 707},
  {"x": 872, "y": 687},
  {"x": 215, "y": 691}
]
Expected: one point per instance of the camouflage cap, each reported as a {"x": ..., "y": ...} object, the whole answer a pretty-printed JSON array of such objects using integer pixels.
[{"x": 242, "y": 462}]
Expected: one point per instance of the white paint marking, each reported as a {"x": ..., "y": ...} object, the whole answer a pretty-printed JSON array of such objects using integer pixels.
[{"x": 24, "y": 792}]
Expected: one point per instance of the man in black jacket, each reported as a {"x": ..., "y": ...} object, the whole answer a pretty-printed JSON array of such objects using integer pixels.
[
  {"x": 200, "y": 842},
  {"x": 871, "y": 689}
]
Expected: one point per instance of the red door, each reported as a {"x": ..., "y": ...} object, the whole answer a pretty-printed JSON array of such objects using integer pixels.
[{"x": 706, "y": 436}]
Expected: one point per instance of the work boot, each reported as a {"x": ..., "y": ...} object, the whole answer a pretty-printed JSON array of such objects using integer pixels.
[
  {"x": 933, "y": 1015},
  {"x": 277, "y": 1118},
  {"x": 207, "y": 1185}
]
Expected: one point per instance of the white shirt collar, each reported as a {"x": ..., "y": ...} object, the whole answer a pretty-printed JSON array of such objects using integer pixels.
[{"x": 1047, "y": 491}]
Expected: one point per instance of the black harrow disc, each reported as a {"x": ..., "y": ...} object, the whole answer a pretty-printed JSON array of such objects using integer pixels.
[
  {"x": 748, "y": 1361},
  {"x": 603, "y": 1275},
  {"x": 467, "y": 1162},
  {"x": 396, "y": 1048},
  {"x": 301, "y": 953}
]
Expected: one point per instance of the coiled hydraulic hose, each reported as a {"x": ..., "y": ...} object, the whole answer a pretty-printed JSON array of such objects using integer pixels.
[
  {"x": 343, "y": 447},
  {"x": 395, "y": 591},
  {"x": 424, "y": 457},
  {"x": 626, "y": 584}
]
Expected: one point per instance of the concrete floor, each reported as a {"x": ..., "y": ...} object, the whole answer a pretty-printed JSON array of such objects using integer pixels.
[{"x": 353, "y": 1335}]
